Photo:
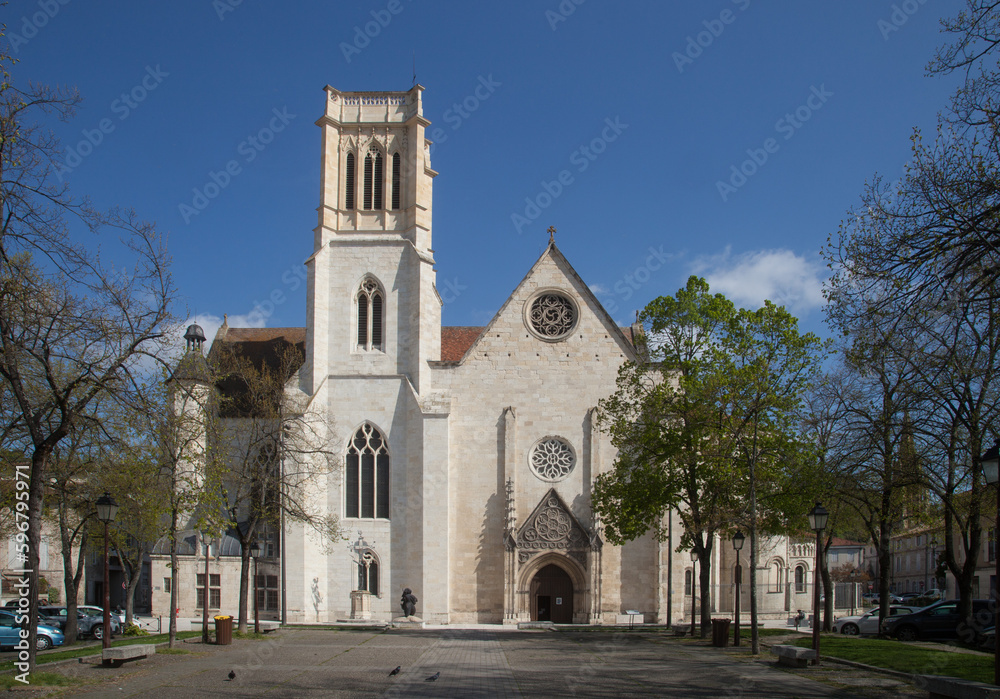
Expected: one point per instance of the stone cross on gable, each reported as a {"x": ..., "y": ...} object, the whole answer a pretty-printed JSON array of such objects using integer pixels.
[{"x": 552, "y": 234}]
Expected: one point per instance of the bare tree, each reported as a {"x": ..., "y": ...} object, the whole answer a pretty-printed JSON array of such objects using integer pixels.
[
  {"x": 276, "y": 450},
  {"x": 74, "y": 322}
]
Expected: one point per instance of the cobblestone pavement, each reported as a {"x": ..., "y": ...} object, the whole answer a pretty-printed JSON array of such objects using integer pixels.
[{"x": 303, "y": 662}]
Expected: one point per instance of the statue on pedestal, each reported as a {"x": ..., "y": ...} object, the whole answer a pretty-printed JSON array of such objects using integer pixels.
[{"x": 408, "y": 603}]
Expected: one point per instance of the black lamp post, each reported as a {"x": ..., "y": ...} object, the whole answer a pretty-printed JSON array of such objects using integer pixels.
[
  {"x": 694, "y": 559},
  {"x": 817, "y": 522},
  {"x": 255, "y": 552},
  {"x": 991, "y": 470},
  {"x": 205, "y": 596},
  {"x": 738, "y": 539},
  {"x": 107, "y": 508}
]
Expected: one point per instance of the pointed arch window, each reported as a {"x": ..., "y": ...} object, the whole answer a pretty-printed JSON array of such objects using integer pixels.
[
  {"x": 349, "y": 180},
  {"x": 374, "y": 182},
  {"x": 397, "y": 177},
  {"x": 367, "y": 479},
  {"x": 370, "y": 303}
]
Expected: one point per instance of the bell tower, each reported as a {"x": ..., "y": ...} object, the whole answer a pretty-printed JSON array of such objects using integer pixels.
[{"x": 372, "y": 305}]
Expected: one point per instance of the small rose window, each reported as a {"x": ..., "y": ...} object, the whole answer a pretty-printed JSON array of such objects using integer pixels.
[
  {"x": 551, "y": 315},
  {"x": 552, "y": 459}
]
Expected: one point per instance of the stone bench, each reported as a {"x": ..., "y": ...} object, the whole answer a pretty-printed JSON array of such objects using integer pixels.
[
  {"x": 939, "y": 687},
  {"x": 116, "y": 657},
  {"x": 793, "y": 656},
  {"x": 269, "y": 626}
]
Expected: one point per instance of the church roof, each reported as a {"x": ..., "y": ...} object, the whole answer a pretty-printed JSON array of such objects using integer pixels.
[
  {"x": 261, "y": 345},
  {"x": 456, "y": 341}
]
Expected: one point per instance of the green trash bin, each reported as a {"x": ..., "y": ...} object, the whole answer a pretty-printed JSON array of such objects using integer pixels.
[
  {"x": 223, "y": 630},
  {"x": 720, "y": 632}
]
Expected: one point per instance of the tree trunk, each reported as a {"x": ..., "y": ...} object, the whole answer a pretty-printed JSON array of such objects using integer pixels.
[
  {"x": 244, "y": 585},
  {"x": 173, "y": 580},
  {"x": 705, "y": 585}
]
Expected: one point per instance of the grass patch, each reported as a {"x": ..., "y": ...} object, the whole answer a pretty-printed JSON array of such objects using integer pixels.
[
  {"x": 903, "y": 657},
  {"x": 38, "y": 679},
  {"x": 83, "y": 651},
  {"x": 249, "y": 635}
]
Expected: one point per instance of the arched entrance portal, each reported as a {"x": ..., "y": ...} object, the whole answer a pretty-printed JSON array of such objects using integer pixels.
[{"x": 552, "y": 595}]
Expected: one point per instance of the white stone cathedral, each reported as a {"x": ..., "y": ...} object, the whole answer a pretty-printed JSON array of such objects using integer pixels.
[{"x": 468, "y": 453}]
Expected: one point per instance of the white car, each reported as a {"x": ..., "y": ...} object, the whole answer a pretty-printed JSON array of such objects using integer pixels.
[{"x": 867, "y": 623}]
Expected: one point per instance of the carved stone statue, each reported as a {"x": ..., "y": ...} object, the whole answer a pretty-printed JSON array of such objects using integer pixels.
[{"x": 409, "y": 602}]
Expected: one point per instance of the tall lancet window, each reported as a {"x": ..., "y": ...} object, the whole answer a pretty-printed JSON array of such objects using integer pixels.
[
  {"x": 370, "y": 303},
  {"x": 374, "y": 180},
  {"x": 397, "y": 177},
  {"x": 366, "y": 483},
  {"x": 349, "y": 181}
]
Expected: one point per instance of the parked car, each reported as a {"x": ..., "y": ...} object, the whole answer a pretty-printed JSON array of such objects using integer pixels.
[
  {"x": 99, "y": 611},
  {"x": 86, "y": 624},
  {"x": 10, "y": 633},
  {"x": 939, "y": 621},
  {"x": 873, "y": 598},
  {"x": 867, "y": 623}
]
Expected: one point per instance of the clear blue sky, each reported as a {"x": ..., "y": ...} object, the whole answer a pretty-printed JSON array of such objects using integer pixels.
[{"x": 822, "y": 94}]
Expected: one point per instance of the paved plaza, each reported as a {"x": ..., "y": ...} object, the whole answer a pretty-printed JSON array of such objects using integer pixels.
[{"x": 472, "y": 663}]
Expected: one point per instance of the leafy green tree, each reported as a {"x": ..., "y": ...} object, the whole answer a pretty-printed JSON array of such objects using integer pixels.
[
  {"x": 662, "y": 419},
  {"x": 762, "y": 369}
]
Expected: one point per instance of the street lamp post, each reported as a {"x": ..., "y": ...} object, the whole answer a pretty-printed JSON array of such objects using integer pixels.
[
  {"x": 817, "y": 522},
  {"x": 694, "y": 559},
  {"x": 738, "y": 539},
  {"x": 107, "y": 508},
  {"x": 255, "y": 552},
  {"x": 991, "y": 470},
  {"x": 204, "y": 598}
]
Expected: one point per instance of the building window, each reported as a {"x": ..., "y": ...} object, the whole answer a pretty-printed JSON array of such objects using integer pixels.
[
  {"x": 688, "y": 574},
  {"x": 550, "y": 315},
  {"x": 214, "y": 591},
  {"x": 349, "y": 180},
  {"x": 373, "y": 180},
  {"x": 370, "y": 305},
  {"x": 367, "y": 478},
  {"x": 800, "y": 578},
  {"x": 552, "y": 459},
  {"x": 776, "y": 575},
  {"x": 166, "y": 585},
  {"x": 267, "y": 593},
  {"x": 991, "y": 546},
  {"x": 396, "y": 179}
]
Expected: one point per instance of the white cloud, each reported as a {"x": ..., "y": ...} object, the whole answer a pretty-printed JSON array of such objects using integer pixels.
[
  {"x": 599, "y": 289},
  {"x": 750, "y": 278}
]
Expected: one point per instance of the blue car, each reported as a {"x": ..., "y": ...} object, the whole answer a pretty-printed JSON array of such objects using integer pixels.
[{"x": 10, "y": 633}]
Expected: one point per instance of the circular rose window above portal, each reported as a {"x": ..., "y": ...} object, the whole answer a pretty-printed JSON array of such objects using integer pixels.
[
  {"x": 552, "y": 459},
  {"x": 551, "y": 315}
]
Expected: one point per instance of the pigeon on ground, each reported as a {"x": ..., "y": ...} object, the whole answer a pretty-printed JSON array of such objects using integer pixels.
[
  {"x": 396, "y": 671},
  {"x": 232, "y": 675},
  {"x": 433, "y": 677}
]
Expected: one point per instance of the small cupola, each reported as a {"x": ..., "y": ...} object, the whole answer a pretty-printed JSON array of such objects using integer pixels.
[{"x": 195, "y": 337}]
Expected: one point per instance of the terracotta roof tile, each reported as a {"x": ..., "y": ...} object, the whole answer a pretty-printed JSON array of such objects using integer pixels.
[{"x": 456, "y": 341}]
